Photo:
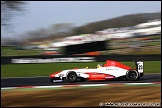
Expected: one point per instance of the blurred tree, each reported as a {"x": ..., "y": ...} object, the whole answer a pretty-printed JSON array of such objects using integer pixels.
[
  {"x": 8, "y": 10},
  {"x": 122, "y": 21}
]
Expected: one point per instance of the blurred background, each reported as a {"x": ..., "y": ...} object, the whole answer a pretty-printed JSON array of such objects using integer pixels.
[
  {"x": 82, "y": 28},
  {"x": 39, "y": 30}
]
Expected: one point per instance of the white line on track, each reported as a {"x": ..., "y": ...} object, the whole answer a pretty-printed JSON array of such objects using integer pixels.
[
  {"x": 93, "y": 85},
  {"x": 5, "y": 88},
  {"x": 82, "y": 85},
  {"x": 137, "y": 83},
  {"x": 46, "y": 86}
]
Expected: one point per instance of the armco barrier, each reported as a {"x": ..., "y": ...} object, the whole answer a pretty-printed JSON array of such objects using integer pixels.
[{"x": 76, "y": 58}]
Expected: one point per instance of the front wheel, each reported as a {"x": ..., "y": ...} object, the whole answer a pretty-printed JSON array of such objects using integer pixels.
[
  {"x": 132, "y": 75},
  {"x": 71, "y": 77}
]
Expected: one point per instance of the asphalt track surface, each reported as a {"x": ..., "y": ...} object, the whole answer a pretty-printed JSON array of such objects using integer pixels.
[{"x": 45, "y": 81}]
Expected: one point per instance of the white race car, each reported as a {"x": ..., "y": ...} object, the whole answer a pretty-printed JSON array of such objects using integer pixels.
[{"x": 110, "y": 70}]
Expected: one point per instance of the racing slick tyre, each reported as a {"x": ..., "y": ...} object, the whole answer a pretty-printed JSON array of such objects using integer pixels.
[
  {"x": 71, "y": 76},
  {"x": 132, "y": 75}
]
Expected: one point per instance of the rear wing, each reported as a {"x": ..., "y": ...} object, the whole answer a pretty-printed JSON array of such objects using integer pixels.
[{"x": 139, "y": 66}]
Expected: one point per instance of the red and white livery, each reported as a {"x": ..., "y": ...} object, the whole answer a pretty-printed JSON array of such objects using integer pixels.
[{"x": 110, "y": 70}]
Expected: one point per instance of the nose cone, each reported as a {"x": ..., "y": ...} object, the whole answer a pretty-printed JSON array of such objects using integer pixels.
[{"x": 52, "y": 75}]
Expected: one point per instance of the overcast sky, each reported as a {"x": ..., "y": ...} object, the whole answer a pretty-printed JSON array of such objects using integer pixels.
[{"x": 42, "y": 14}]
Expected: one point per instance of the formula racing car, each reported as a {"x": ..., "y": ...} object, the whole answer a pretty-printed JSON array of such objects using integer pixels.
[{"x": 110, "y": 70}]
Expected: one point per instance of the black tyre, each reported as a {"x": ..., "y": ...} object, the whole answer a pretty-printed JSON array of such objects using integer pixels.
[
  {"x": 132, "y": 75},
  {"x": 71, "y": 77}
]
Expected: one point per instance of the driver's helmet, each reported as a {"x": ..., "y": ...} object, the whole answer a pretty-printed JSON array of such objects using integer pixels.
[{"x": 99, "y": 65}]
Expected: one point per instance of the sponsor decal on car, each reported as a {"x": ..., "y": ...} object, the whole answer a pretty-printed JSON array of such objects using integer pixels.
[{"x": 57, "y": 80}]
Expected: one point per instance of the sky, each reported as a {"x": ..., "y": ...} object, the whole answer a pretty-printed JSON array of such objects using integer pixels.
[{"x": 43, "y": 14}]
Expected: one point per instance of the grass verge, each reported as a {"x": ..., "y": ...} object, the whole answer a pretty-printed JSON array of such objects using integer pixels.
[{"x": 29, "y": 70}]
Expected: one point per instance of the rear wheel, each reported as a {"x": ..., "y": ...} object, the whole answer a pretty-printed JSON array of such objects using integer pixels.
[
  {"x": 132, "y": 75},
  {"x": 71, "y": 77}
]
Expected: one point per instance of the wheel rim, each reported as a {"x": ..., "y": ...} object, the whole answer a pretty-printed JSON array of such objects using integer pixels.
[
  {"x": 132, "y": 75},
  {"x": 72, "y": 77}
]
